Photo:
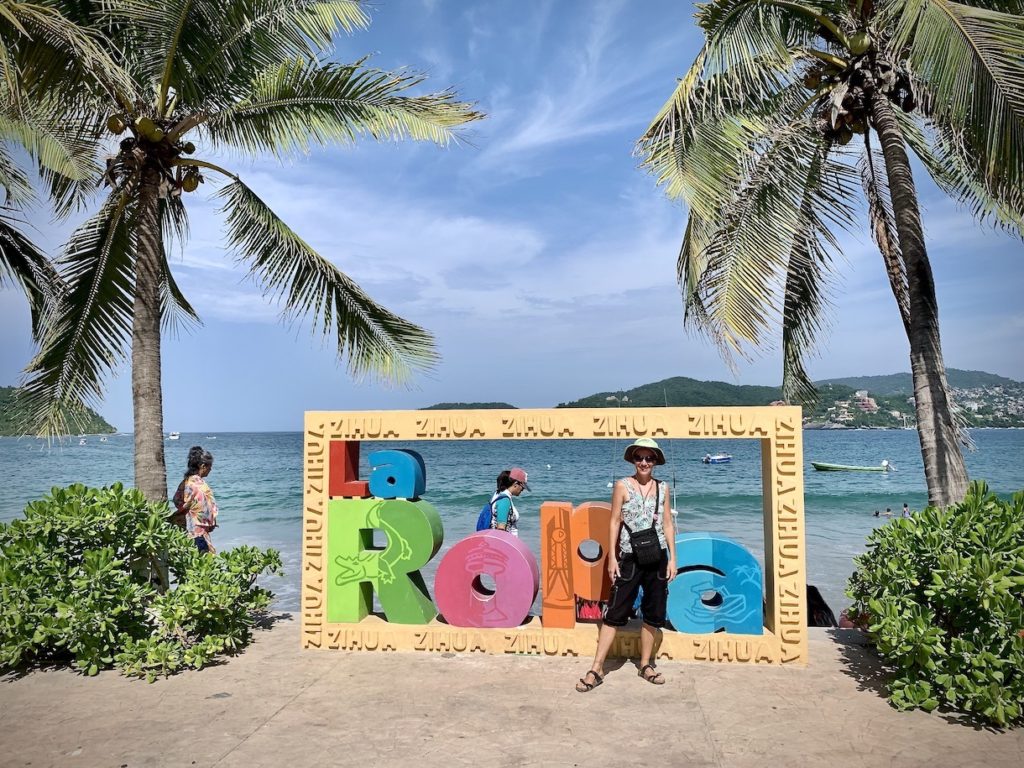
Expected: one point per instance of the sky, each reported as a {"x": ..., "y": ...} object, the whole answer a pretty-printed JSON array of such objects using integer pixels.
[{"x": 535, "y": 250}]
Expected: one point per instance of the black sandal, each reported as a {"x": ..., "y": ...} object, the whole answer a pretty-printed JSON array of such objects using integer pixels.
[
  {"x": 587, "y": 687},
  {"x": 655, "y": 679}
]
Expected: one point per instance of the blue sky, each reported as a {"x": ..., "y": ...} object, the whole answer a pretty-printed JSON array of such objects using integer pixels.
[{"x": 539, "y": 255}]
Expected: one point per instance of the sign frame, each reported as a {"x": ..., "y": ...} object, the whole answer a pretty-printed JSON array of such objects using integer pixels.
[{"x": 778, "y": 428}]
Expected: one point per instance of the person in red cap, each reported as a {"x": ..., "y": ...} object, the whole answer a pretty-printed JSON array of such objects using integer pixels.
[{"x": 504, "y": 515}]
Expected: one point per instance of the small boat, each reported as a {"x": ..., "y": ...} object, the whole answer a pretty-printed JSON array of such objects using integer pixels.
[
  {"x": 81, "y": 441},
  {"x": 717, "y": 458},
  {"x": 103, "y": 439},
  {"x": 821, "y": 466},
  {"x": 174, "y": 435}
]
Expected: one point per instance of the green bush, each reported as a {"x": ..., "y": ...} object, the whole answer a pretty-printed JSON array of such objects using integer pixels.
[
  {"x": 942, "y": 596},
  {"x": 84, "y": 579}
]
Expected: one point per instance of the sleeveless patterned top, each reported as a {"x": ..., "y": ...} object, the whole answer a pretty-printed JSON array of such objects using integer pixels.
[{"x": 638, "y": 513}]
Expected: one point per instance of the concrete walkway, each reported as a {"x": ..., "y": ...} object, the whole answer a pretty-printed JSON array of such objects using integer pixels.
[{"x": 278, "y": 706}]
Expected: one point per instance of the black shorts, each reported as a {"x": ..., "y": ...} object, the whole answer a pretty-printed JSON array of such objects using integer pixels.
[{"x": 631, "y": 577}]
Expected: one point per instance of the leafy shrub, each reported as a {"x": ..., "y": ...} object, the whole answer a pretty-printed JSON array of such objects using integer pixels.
[
  {"x": 942, "y": 595},
  {"x": 84, "y": 577}
]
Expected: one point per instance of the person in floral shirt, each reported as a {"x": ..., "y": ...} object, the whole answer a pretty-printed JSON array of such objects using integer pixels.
[{"x": 194, "y": 499}]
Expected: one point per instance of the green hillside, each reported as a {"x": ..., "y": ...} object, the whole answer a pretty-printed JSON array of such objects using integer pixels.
[
  {"x": 680, "y": 391},
  {"x": 467, "y": 406},
  {"x": 902, "y": 384},
  {"x": 987, "y": 400},
  {"x": 12, "y": 417}
]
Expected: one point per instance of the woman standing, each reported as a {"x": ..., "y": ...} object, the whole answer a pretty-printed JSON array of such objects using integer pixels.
[
  {"x": 504, "y": 515},
  {"x": 640, "y": 506},
  {"x": 196, "y": 499}
]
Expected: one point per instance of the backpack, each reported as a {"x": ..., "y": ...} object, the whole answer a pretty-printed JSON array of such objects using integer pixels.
[{"x": 483, "y": 520}]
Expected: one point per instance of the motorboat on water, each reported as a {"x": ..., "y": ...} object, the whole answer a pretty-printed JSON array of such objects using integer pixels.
[
  {"x": 717, "y": 458},
  {"x": 822, "y": 466},
  {"x": 81, "y": 441},
  {"x": 174, "y": 436}
]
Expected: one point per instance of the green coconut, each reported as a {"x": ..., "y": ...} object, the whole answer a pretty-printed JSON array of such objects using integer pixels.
[
  {"x": 116, "y": 124},
  {"x": 860, "y": 43},
  {"x": 190, "y": 183}
]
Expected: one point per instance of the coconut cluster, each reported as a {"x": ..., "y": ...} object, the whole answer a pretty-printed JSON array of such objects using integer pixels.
[
  {"x": 149, "y": 146},
  {"x": 845, "y": 108}
]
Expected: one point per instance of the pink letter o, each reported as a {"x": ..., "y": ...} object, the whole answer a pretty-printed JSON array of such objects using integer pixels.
[{"x": 457, "y": 589}]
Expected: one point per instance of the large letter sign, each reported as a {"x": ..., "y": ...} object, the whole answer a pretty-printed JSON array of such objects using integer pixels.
[
  {"x": 461, "y": 595},
  {"x": 719, "y": 586},
  {"x": 356, "y": 569},
  {"x": 366, "y": 537}
]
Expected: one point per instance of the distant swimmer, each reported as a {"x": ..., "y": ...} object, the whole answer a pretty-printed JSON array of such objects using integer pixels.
[
  {"x": 888, "y": 511},
  {"x": 906, "y": 510},
  {"x": 876, "y": 513}
]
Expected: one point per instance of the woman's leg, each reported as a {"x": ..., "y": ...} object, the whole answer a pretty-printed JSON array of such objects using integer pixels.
[
  {"x": 647, "y": 636},
  {"x": 604, "y": 644}
]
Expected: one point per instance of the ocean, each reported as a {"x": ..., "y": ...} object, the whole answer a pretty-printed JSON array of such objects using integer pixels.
[{"x": 257, "y": 479}]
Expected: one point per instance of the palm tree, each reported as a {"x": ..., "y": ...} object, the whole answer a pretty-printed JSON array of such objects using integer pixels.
[
  {"x": 757, "y": 140},
  {"x": 247, "y": 76}
]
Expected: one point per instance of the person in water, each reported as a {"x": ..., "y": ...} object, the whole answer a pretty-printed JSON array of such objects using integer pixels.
[
  {"x": 504, "y": 515},
  {"x": 640, "y": 502},
  {"x": 197, "y": 501}
]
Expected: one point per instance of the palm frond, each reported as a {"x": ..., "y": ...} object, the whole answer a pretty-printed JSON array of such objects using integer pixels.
[
  {"x": 14, "y": 182},
  {"x": 750, "y": 253},
  {"x": 208, "y": 52},
  {"x": 961, "y": 174},
  {"x": 373, "y": 340},
  {"x": 87, "y": 336},
  {"x": 62, "y": 148},
  {"x": 750, "y": 44},
  {"x": 807, "y": 273},
  {"x": 23, "y": 263},
  {"x": 176, "y": 313},
  {"x": 299, "y": 103},
  {"x": 54, "y": 55},
  {"x": 882, "y": 220},
  {"x": 967, "y": 62}
]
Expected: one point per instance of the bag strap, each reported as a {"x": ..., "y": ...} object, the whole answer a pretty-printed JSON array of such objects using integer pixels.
[{"x": 657, "y": 507}]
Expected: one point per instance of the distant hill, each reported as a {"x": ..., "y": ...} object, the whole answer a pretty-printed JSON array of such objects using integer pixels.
[
  {"x": 467, "y": 406},
  {"x": 902, "y": 383},
  {"x": 680, "y": 391},
  {"x": 12, "y": 416}
]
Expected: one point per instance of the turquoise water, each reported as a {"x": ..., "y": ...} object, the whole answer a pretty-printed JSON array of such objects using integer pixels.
[{"x": 258, "y": 483}]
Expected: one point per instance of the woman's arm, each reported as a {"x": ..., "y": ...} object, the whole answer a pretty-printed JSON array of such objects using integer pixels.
[
  {"x": 619, "y": 496},
  {"x": 669, "y": 527},
  {"x": 502, "y": 511}
]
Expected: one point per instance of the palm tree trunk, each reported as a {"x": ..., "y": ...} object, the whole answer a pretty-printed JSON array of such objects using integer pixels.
[
  {"x": 944, "y": 468},
  {"x": 147, "y": 394}
]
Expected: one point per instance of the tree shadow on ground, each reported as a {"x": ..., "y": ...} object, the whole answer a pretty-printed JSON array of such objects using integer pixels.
[
  {"x": 861, "y": 661},
  {"x": 269, "y": 620}
]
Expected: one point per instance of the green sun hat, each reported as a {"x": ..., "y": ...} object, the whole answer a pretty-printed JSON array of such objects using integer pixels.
[{"x": 649, "y": 444}]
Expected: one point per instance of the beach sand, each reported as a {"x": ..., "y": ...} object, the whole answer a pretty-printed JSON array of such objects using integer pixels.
[{"x": 276, "y": 705}]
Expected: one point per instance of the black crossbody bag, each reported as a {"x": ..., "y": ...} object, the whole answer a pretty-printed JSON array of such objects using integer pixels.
[{"x": 645, "y": 543}]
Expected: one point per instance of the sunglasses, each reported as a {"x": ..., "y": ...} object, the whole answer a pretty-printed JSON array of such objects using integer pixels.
[{"x": 646, "y": 459}]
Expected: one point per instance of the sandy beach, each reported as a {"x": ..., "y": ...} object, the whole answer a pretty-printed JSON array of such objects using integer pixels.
[{"x": 277, "y": 705}]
